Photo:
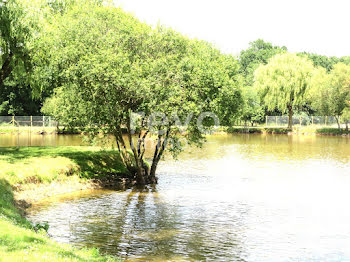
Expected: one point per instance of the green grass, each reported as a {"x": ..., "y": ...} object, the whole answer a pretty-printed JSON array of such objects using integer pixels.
[
  {"x": 277, "y": 130},
  {"x": 283, "y": 130},
  {"x": 18, "y": 240},
  {"x": 47, "y": 164},
  {"x": 332, "y": 131},
  {"x": 248, "y": 130}
]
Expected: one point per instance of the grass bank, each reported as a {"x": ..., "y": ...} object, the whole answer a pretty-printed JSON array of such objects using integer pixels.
[
  {"x": 332, "y": 131},
  {"x": 303, "y": 130},
  {"x": 259, "y": 130},
  {"x": 35, "y": 167}
]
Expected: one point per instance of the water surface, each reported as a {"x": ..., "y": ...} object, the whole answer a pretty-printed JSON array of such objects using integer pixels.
[
  {"x": 29, "y": 139},
  {"x": 239, "y": 198}
]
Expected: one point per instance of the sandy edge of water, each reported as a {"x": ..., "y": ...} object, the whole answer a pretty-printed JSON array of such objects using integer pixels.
[{"x": 31, "y": 194}]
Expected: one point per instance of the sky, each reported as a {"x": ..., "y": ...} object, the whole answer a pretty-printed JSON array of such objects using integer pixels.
[{"x": 317, "y": 26}]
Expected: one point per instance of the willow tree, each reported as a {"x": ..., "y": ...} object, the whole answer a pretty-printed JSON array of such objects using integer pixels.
[
  {"x": 282, "y": 83},
  {"x": 14, "y": 36},
  {"x": 107, "y": 67},
  {"x": 18, "y": 27},
  {"x": 330, "y": 91}
]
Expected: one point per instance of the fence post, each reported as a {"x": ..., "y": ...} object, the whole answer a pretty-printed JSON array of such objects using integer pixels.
[
  {"x": 13, "y": 121},
  {"x": 325, "y": 121},
  {"x": 276, "y": 121},
  {"x": 17, "y": 135},
  {"x": 300, "y": 122},
  {"x": 265, "y": 121},
  {"x": 312, "y": 120},
  {"x": 31, "y": 122}
]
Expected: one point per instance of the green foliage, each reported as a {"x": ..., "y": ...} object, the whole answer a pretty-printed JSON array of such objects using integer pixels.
[
  {"x": 321, "y": 60},
  {"x": 18, "y": 21},
  {"x": 16, "y": 99},
  {"x": 345, "y": 60},
  {"x": 259, "y": 52},
  {"x": 330, "y": 91},
  {"x": 318, "y": 94},
  {"x": 259, "y": 130},
  {"x": 62, "y": 104},
  {"x": 282, "y": 83},
  {"x": 331, "y": 131},
  {"x": 41, "y": 226},
  {"x": 16, "y": 32},
  {"x": 105, "y": 64},
  {"x": 276, "y": 130},
  {"x": 346, "y": 116},
  {"x": 252, "y": 110},
  {"x": 244, "y": 130}
]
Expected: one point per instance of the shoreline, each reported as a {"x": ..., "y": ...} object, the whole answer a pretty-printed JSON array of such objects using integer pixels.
[
  {"x": 32, "y": 194},
  {"x": 298, "y": 130},
  {"x": 34, "y": 175},
  {"x": 287, "y": 131}
]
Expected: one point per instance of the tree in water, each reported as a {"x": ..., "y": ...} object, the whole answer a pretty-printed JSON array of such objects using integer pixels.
[{"x": 106, "y": 67}]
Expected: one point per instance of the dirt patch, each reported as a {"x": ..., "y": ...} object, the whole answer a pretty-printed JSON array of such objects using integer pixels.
[{"x": 27, "y": 194}]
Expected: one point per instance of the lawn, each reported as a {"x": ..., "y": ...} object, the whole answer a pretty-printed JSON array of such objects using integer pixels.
[{"x": 47, "y": 164}]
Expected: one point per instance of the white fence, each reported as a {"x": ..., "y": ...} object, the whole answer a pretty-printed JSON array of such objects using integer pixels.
[{"x": 282, "y": 121}]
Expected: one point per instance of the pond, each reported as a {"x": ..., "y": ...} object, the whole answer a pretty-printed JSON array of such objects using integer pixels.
[
  {"x": 239, "y": 198},
  {"x": 28, "y": 139}
]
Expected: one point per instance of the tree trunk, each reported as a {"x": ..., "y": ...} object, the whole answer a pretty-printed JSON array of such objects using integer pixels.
[
  {"x": 347, "y": 126},
  {"x": 138, "y": 165},
  {"x": 158, "y": 152},
  {"x": 135, "y": 162},
  {"x": 337, "y": 118},
  {"x": 290, "y": 117},
  {"x": 140, "y": 178},
  {"x": 152, "y": 174}
]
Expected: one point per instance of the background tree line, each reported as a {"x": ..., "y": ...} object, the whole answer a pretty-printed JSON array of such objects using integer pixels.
[{"x": 23, "y": 42}]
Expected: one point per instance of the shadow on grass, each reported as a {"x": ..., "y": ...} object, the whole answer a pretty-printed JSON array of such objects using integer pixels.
[
  {"x": 92, "y": 164},
  {"x": 7, "y": 204}
]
